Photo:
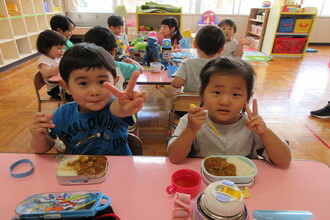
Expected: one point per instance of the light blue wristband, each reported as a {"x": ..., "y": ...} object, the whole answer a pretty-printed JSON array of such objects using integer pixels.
[{"x": 20, "y": 175}]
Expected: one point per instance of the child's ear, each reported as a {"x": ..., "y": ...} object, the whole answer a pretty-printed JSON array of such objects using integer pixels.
[
  {"x": 65, "y": 86},
  {"x": 220, "y": 50}
]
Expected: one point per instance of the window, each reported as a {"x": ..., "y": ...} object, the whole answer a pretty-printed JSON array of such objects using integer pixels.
[{"x": 193, "y": 6}]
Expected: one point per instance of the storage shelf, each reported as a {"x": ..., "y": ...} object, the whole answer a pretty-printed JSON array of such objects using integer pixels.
[
  {"x": 154, "y": 19},
  {"x": 292, "y": 34},
  {"x": 272, "y": 34},
  {"x": 256, "y": 27},
  {"x": 19, "y": 33},
  {"x": 250, "y": 32},
  {"x": 258, "y": 21}
]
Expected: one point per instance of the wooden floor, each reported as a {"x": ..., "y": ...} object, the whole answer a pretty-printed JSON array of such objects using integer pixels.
[{"x": 287, "y": 89}]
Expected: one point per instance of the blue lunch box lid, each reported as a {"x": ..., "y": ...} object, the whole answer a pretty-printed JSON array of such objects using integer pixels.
[{"x": 62, "y": 205}]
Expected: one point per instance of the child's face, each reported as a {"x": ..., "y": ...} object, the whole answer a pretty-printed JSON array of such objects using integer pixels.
[
  {"x": 56, "y": 51},
  {"x": 166, "y": 30},
  {"x": 68, "y": 33},
  {"x": 229, "y": 31},
  {"x": 116, "y": 30},
  {"x": 224, "y": 97},
  {"x": 86, "y": 88}
]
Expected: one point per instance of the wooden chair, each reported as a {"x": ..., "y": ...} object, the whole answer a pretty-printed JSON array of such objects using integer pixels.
[
  {"x": 181, "y": 103},
  {"x": 135, "y": 144},
  {"x": 38, "y": 84},
  {"x": 134, "y": 129}
]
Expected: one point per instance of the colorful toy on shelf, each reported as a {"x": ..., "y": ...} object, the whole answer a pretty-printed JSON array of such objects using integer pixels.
[
  {"x": 12, "y": 9},
  {"x": 266, "y": 4},
  {"x": 292, "y": 6},
  {"x": 185, "y": 42},
  {"x": 208, "y": 17},
  {"x": 152, "y": 51}
]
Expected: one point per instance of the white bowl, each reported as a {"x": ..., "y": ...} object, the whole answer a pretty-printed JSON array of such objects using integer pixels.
[{"x": 244, "y": 166}]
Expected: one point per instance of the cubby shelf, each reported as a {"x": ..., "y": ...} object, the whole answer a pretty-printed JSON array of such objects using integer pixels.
[
  {"x": 293, "y": 38},
  {"x": 256, "y": 27},
  {"x": 19, "y": 31}
]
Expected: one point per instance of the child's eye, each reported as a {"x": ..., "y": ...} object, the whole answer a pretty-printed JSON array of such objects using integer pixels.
[
  {"x": 236, "y": 94},
  {"x": 216, "y": 92},
  {"x": 83, "y": 83},
  {"x": 102, "y": 82}
]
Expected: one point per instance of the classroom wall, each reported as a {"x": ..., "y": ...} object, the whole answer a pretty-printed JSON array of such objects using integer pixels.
[{"x": 320, "y": 33}]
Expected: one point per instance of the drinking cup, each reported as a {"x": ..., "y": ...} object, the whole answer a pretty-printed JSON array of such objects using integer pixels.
[
  {"x": 156, "y": 67},
  {"x": 185, "y": 181},
  {"x": 171, "y": 70}
]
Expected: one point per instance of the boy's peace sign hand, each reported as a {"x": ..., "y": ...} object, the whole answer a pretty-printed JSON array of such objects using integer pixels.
[
  {"x": 129, "y": 101},
  {"x": 255, "y": 122}
]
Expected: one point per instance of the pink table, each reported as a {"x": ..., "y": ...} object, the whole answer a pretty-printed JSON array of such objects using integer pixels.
[
  {"x": 145, "y": 78},
  {"x": 137, "y": 185}
]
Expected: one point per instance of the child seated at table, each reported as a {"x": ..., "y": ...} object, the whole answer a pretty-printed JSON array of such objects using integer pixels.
[
  {"x": 226, "y": 88},
  {"x": 169, "y": 29},
  {"x": 103, "y": 37},
  {"x": 64, "y": 26},
  {"x": 233, "y": 48},
  {"x": 95, "y": 123},
  {"x": 51, "y": 46},
  {"x": 209, "y": 43},
  {"x": 115, "y": 24}
]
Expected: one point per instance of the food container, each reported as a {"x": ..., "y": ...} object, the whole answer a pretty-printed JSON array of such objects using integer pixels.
[
  {"x": 62, "y": 205},
  {"x": 222, "y": 200},
  {"x": 246, "y": 170},
  {"x": 82, "y": 169}
]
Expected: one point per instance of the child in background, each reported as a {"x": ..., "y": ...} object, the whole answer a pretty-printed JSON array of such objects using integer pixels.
[
  {"x": 51, "y": 46},
  {"x": 103, "y": 37},
  {"x": 233, "y": 48},
  {"x": 209, "y": 42},
  {"x": 95, "y": 123},
  {"x": 226, "y": 88},
  {"x": 169, "y": 29},
  {"x": 64, "y": 26},
  {"x": 115, "y": 24}
]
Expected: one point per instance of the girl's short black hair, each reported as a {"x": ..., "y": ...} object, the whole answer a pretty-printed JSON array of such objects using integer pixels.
[
  {"x": 47, "y": 39},
  {"x": 60, "y": 21},
  {"x": 228, "y": 22},
  {"x": 86, "y": 56},
  {"x": 102, "y": 37},
  {"x": 173, "y": 22},
  {"x": 115, "y": 20},
  {"x": 210, "y": 39},
  {"x": 228, "y": 66}
]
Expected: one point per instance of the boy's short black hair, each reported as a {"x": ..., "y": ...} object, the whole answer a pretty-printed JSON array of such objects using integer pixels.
[
  {"x": 86, "y": 56},
  {"x": 47, "y": 39},
  {"x": 60, "y": 21},
  {"x": 228, "y": 22},
  {"x": 210, "y": 39},
  {"x": 102, "y": 37},
  {"x": 115, "y": 20},
  {"x": 228, "y": 66}
]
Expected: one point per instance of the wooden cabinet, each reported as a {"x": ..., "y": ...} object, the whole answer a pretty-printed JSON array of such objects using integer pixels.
[
  {"x": 154, "y": 19},
  {"x": 288, "y": 33},
  {"x": 256, "y": 26},
  {"x": 19, "y": 28}
]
